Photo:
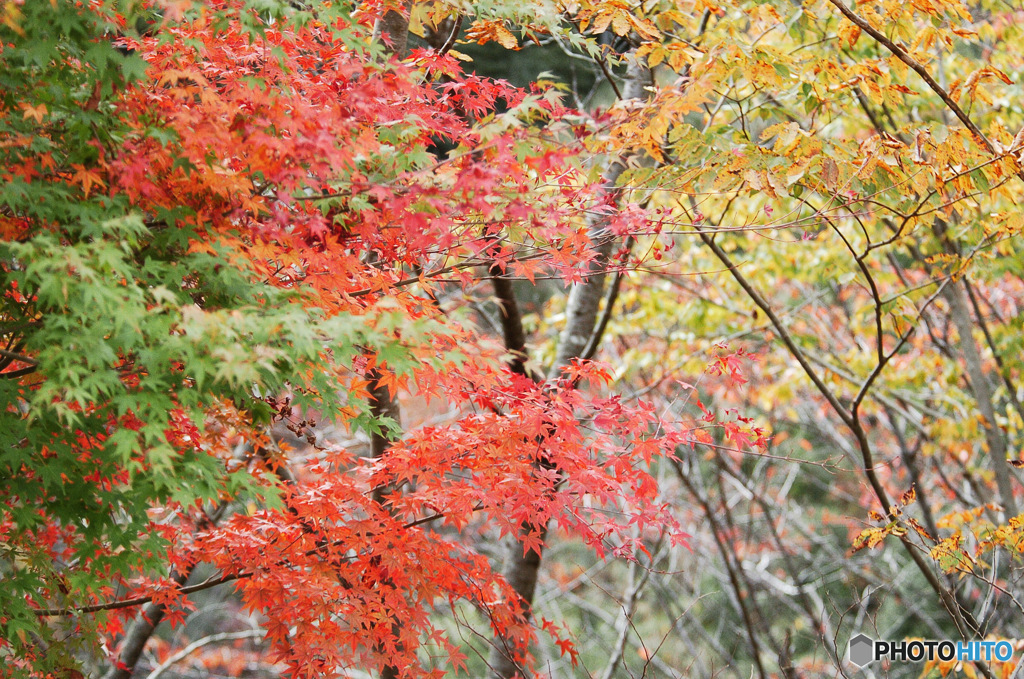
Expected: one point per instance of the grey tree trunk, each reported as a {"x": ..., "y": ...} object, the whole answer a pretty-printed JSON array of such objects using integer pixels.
[
  {"x": 395, "y": 26},
  {"x": 521, "y": 569},
  {"x": 981, "y": 387},
  {"x": 138, "y": 635}
]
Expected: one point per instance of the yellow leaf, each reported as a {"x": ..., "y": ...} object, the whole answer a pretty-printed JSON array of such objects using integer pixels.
[
  {"x": 654, "y": 52},
  {"x": 11, "y": 17},
  {"x": 644, "y": 28},
  {"x": 486, "y": 31},
  {"x": 872, "y": 90},
  {"x": 1014, "y": 223},
  {"x": 830, "y": 174},
  {"x": 681, "y": 56},
  {"x": 620, "y": 24},
  {"x": 848, "y": 33},
  {"x": 505, "y": 37},
  {"x": 601, "y": 22},
  {"x": 908, "y": 497},
  {"x": 35, "y": 112}
]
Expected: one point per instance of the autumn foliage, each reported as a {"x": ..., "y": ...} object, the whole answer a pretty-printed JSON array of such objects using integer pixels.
[
  {"x": 294, "y": 309},
  {"x": 233, "y": 231}
]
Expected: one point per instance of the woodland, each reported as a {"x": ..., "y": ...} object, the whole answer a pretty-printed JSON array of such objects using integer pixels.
[{"x": 538, "y": 338}]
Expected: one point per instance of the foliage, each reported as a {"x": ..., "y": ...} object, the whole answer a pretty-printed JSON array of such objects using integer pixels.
[{"x": 259, "y": 328}]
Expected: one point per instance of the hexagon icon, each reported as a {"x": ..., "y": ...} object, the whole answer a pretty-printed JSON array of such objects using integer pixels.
[{"x": 862, "y": 650}]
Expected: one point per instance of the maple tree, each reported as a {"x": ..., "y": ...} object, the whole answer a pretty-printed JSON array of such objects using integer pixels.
[
  {"x": 222, "y": 223},
  {"x": 251, "y": 251}
]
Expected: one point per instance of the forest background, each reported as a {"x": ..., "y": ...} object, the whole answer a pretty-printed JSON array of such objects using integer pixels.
[{"x": 590, "y": 338}]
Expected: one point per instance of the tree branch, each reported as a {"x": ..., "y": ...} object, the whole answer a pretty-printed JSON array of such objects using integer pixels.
[
  {"x": 966, "y": 624},
  {"x": 983, "y": 396},
  {"x": 12, "y": 357},
  {"x": 1011, "y": 388},
  {"x": 609, "y": 307},
  {"x": 918, "y": 68},
  {"x": 138, "y": 635},
  {"x": 199, "y": 643},
  {"x": 730, "y": 567},
  {"x": 209, "y": 583}
]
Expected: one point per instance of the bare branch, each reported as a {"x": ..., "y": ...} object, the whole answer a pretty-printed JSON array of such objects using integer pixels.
[{"x": 199, "y": 643}]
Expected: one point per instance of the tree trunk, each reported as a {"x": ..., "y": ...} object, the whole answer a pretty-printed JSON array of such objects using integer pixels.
[
  {"x": 395, "y": 27},
  {"x": 956, "y": 295},
  {"x": 521, "y": 569}
]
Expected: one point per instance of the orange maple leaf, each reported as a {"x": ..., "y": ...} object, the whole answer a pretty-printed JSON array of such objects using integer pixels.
[{"x": 87, "y": 178}]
